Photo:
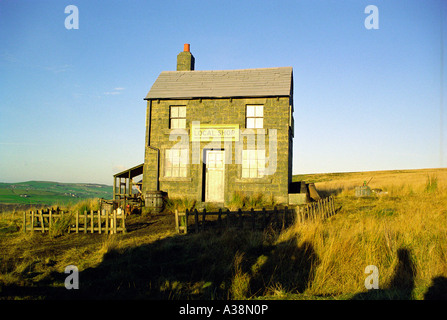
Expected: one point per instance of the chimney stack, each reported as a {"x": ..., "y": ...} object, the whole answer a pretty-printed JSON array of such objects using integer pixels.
[{"x": 185, "y": 60}]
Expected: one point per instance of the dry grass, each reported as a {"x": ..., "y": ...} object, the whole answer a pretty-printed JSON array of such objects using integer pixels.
[
  {"x": 402, "y": 231},
  {"x": 398, "y": 182},
  {"x": 408, "y": 218},
  {"x": 241, "y": 200}
]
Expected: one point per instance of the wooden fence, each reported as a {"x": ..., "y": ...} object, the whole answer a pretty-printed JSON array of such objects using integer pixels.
[
  {"x": 321, "y": 209},
  {"x": 253, "y": 219},
  {"x": 101, "y": 221}
]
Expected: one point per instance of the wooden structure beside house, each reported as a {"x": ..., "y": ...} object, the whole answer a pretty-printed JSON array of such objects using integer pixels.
[{"x": 127, "y": 191}]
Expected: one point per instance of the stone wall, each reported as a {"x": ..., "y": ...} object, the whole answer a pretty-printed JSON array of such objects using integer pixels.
[{"x": 217, "y": 112}]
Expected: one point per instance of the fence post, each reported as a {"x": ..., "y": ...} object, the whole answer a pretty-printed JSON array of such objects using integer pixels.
[
  {"x": 196, "y": 216},
  {"x": 32, "y": 220},
  {"x": 323, "y": 208},
  {"x": 77, "y": 222},
  {"x": 264, "y": 218},
  {"x": 284, "y": 217},
  {"x": 330, "y": 206},
  {"x": 219, "y": 218},
  {"x": 176, "y": 221},
  {"x": 319, "y": 208},
  {"x": 112, "y": 214},
  {"x": 85, "y": 221},
  {"x": 123, "y": 216},
  {"x": 50, "y": 217},
  {"x": 92, "y": 222},
  {"x": 333, "y": 205},
  {"x": 275, "y": 217},
  {"x": 124, "y": 223},
  {"x": 253, "y": 217},
  {"x": 186, "y": 220},
  {"x": 42, "y": 225},
  {"x": 114, "y": 221},
  {"x": 107, "y": 221},
  {"x": 99, "y": 221},
  {"x": 203, "y": 219}
]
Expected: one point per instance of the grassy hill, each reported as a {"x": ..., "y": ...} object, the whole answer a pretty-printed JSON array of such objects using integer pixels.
[{"x": 50, "y": 193}]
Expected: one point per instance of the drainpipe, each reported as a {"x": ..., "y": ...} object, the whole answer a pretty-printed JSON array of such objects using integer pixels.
[
  {"x": 158, "y": 166},
  {"x": 149, "y": 144}
]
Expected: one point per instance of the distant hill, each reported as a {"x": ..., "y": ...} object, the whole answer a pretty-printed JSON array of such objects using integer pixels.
[{"x": 50, "y": 193}]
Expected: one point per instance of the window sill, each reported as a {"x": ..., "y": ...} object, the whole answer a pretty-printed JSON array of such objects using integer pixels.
[
  {"x": 175, "y": 179},
  {"x": 243, "y": 131},
  {"x": 251, "y": 131},
  {"x": 180, "y": 131},
  {"x": 253, "y": 180}
]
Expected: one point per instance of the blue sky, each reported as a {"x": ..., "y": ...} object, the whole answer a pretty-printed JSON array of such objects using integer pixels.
[{"x": 71, "y": 101}]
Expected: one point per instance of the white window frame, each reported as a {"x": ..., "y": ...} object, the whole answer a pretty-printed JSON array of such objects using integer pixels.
[
  {"x": 176, "y": 163},
  {"x": 253, "y": 164},
  {"x": 254, "y": 116},
  {"x": 177, "y": 117}
]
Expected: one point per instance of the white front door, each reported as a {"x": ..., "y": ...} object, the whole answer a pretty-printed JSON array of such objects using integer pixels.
[{"x": 215, "y": 176}]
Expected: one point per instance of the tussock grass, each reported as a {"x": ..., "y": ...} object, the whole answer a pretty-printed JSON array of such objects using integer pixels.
[
  {"x": 61, "y": 225},
  {"x": 180, "y": 204},
  {"x": 241, "y": 200},
  {"x": 84, "y": 205}
]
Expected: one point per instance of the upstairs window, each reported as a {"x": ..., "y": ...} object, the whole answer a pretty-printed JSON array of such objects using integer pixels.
[
  {"x": 254, "y": 117},
  {"x": 177, "y": 117}
]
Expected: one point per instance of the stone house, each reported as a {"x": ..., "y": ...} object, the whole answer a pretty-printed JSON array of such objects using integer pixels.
[{"x": 212, "y": 133}]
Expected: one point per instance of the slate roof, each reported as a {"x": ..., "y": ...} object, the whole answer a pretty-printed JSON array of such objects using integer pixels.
[{"x": 265, "y": 82}]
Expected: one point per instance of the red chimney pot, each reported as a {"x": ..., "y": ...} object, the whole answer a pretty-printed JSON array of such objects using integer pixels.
[{"x": 186, "y": 47}]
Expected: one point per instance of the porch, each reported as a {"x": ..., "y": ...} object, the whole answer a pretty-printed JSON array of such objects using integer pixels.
[{"x": 127, "y": 186}]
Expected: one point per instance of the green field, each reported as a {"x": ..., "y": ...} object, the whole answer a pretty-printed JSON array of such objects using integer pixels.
[{"x": 50, "y": 193}]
